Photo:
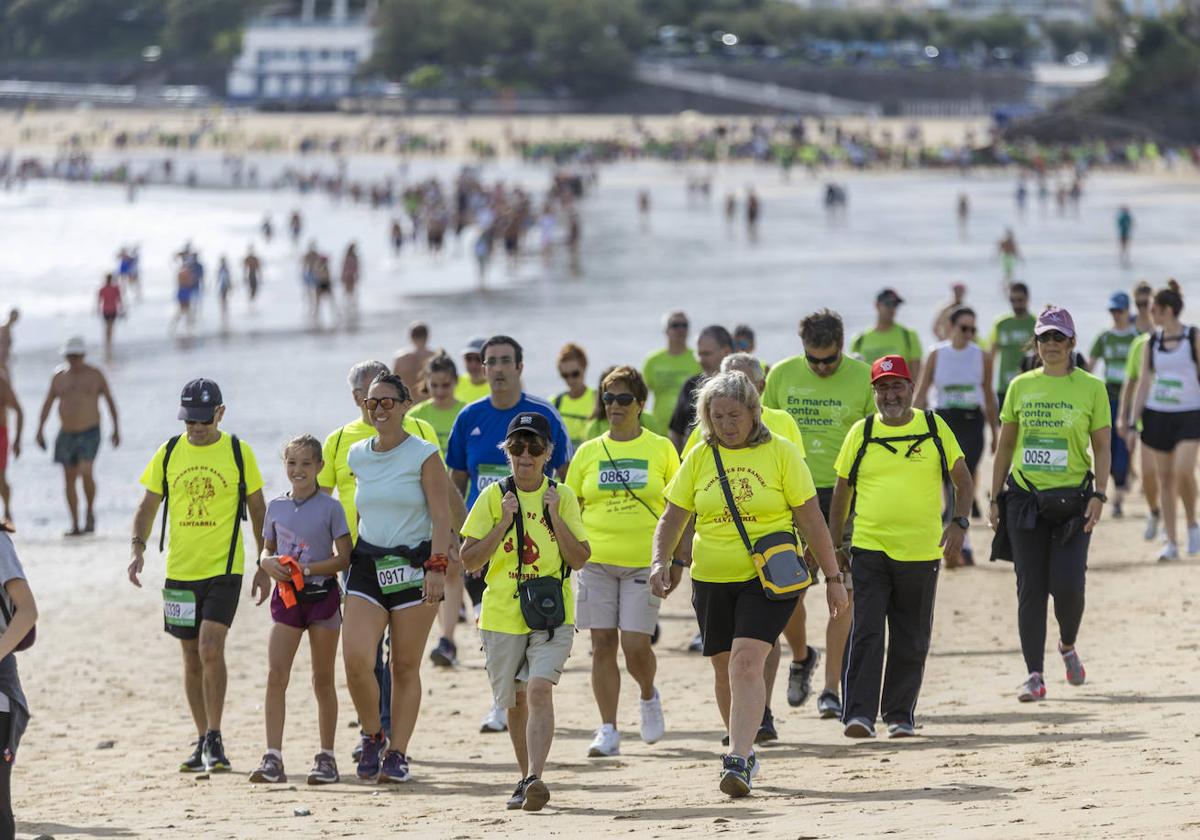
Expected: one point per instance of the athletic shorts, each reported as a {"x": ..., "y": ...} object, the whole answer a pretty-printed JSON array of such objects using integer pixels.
[
  {"x": 325, "y": 613},
  {"x": 216, "y": 600},
  {"x": 728, "y": 611},
  {"x": 71, "y": 448},
  {"x": 1164, "y": 430},
  {"x": 511, "y": 659},
  {"x": 611, "y": 597},
  {"x": 363, "y": 582}
]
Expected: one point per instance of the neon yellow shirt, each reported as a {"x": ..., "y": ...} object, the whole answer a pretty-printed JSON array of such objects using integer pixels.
[
  {"x": 665, "y": 375},
  {"x": 576, "y": 413},
  {"x": 873, "y": 344},
  {"x": 202, "y": 482},
  {"x": 898, "y": 499},
  {"x": 336, "y": 473},
  {"x": 1056, "y": 416},
  {"x": 779, "y": 422},
  {"x": 467, "y": 391},
  {"x": 441, "y": 419},
  {"x": 620, "y": 528},
  {"x": 767, "y": 481},
  {"x": 501, "y": 610}
]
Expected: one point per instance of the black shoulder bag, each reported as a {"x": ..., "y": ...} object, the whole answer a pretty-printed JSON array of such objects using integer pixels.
[{"x": 541, "y": 598}]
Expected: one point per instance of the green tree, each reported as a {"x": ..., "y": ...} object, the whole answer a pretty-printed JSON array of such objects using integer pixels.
[{"x": 204, "y": 28}]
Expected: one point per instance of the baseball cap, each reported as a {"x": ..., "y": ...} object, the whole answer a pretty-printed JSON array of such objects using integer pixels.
[
  {"x": 74, "y": 346},
  {"x": 1118, "y": 301},
  {"x": 958, "y": 287},
  {"x": 890, "y": 366},
  {"x": 888, "y": 295},
  {"x": 1055, "y": 318},
  {"x": 532, "y": 422},
  {"x": 199, "y": 400},
  {"x": 475, "y": 345}
]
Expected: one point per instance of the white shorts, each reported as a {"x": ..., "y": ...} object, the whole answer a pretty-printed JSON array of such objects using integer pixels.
[{"x": 611, "y": 597}]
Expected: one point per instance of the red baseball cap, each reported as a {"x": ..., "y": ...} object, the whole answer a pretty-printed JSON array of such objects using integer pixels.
[{"x": 890, "y": 366}]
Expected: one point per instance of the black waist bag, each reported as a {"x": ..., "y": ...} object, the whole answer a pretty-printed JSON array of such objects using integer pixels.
[
  {"x": 541, "y": 598},
  {"x": 313, "y": 593},
  {"x": 1060, "y": 504}
]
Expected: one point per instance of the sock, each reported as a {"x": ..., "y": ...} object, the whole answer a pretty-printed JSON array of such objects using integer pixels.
[
  {"x": 275, "y": 753},
  {"x": 327, "y": 752}
]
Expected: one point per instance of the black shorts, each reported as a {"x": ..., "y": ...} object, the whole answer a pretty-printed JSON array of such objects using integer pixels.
[
  {"x": 216, "y": 600},
  {"x": 1164, "y": 430},
  {"x": 728, "y": 611},
  {"x": 362, "y": 581}
]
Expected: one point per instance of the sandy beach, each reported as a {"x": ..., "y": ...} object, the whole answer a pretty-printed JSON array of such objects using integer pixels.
[{"x": 1115, "y": 758}]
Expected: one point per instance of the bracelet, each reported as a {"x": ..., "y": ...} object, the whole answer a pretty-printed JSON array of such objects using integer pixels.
[
  {"x": 838, "y": 578},
  {"x": 138, "y": 541},
  {"x": 680, "y": 564},
  {"x": 437, "y": 563}
]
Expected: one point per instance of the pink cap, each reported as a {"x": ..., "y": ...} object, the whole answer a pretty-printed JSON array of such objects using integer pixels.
[{"x": 1055, "y": 318}]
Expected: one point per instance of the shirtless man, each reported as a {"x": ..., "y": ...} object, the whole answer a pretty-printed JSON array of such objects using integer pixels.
[
  {"x": 251, "y": 273},
  {"x": 408, "y": 364},
  {"x": 78, "y": 387},
  {"x": 8, "y": 401},
  {"x": 6, "y": 342}
]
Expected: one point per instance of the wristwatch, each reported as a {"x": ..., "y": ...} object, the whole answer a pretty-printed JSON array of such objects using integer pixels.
[
  {"x": 962, "y": 522},
  {"x": 838, "y": 578},
  {"x": 1096, "y": 494}
]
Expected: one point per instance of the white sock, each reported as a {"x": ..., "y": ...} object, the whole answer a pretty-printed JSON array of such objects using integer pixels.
[
  {"x": 328, "y": 753},
  {"x": 278, "y": 754}
]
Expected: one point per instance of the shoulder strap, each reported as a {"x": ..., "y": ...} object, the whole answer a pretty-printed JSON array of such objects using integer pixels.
[
  {"x": 937, "y": 441},
  {"x": 241, "y": 502},
  {"x": 733, "y": 511},
  {"x": 510, "y": 486},
  {"x": 1154, "y": 336},
  {"x": 1191, "y": 340},
  {"x": 625, "y": 483},
  {"x": 558, "y": 401},
  {"x": 862, "y": 449},
  {"x": 162, "y": 534}
]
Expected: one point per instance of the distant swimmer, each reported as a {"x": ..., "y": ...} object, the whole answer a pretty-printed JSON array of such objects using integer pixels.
[
  {"x": 267, "y": 229},
  {"x": 397, "y": 236},
  {"x": 296, "y": 226},
  {"x": 8, "y": 402},
  {"x": 964, "y": 214},
  {"x": 730, "y": 208},
  {"x": 1124, "y": 232},
  {"x": 351, "y": 269},
  {"x": 941, "y": 323},
  {"x": 1022, "y": 196},
  {"x": 408, "y": 364},
  {"x": 6, "y": 341},
  {"x": 753, "y": 211},
  {"x": 1009, "y": 254},
  {"x": 251, "y": 273},
  {"x": 77, "y": 387},
  {"x": 109, "y": 304}
]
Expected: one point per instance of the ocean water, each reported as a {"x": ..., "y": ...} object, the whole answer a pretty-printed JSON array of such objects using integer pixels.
[{"x": 281, "y": 377}]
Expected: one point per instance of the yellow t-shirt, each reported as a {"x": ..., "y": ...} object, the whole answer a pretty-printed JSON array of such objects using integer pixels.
[
  {"x": 620, "y": 528},
  {"x": 778, "y": 421},
  {"x": 898, "y": 499},
  {"x": 203, "y": 485},
  {"x": 576, "y": 413},
  {"x": 467, "y": 391},
  {"x": 336, "y": 473},
  {"x": 501, "y": 611},
  {"x": 767, "y": 481}
]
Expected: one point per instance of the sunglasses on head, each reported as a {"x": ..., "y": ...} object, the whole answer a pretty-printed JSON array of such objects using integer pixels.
[
  {"x": 386, "y": 403},
  {"x": 518, "y": 447},
  {"x": 1054, "y": 336},
  {"x": 570, "y": 374},
  {"x": 619, "y": 399},
  {"x": 822, "y": 360}
]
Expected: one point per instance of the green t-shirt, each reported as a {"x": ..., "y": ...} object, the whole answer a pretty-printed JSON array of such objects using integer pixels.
[
  {"x": 1113, "y": 346},
  {"x": 442, "y": 419},
  {"x": 1056, "y": 416},
  {"x": 824, "y": 408},
  {"x": 897, "y": 340},
  {"x": 1133, "y": 362},
  {"x": 1008, "y": 337},
  {"x": 665, "y": 375},
  {"x": 576, "y": 413}
]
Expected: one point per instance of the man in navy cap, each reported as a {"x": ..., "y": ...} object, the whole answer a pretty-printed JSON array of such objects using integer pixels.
[{"x": 1112, "y": 346}]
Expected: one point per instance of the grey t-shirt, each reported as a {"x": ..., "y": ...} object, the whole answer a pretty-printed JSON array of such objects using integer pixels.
[
  {"x": 10, "y": 569},
  {"x": 391, "y": 502},
  {"x": 305, "y": 530}
]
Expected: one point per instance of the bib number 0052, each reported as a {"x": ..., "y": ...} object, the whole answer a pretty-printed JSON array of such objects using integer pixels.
[{"x": 1045, "y": 455}]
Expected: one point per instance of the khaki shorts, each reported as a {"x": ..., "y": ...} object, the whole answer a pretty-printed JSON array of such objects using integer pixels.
[
  {"x": 611, "y": 597},
  {"x": 511, "y": 659}
]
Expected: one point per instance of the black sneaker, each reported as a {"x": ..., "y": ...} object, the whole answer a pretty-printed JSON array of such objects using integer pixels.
[
  {"x": 536, "y": 794},
  {"x": 214, "y": 753},
  {"x": 829, "y": 705},
  {"x": 766, "y": 730},
  {"x": 517, "y": 800},
  {"x": 445, "y": 654},
  {"x": 799, "y": 685},
  {"x": 735, "y": 776},
  {"x": 194, "y": 763}
]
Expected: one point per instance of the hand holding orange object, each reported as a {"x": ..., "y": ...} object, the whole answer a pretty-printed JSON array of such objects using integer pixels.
[{"x": 288, "y": 588}]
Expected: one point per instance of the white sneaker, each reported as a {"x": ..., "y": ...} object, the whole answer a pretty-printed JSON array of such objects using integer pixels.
[
  {"x": 653, "y": 725},
  {"x": 1193, "y": 540},
  {"x": 1169, "y": 552},
  {"x": 606, "y": 743},
  {"x": 496, "y": 720},
  {"x": 1151, "y": 527}
]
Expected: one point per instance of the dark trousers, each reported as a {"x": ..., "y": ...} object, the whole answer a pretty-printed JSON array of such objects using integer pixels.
[
  {"x": 1046, "y": 567},
  {"x": 900, "y": 594},
  {"x": 383, "y": 676},
  {"x": 1120, "y": 452},
  {"x": 8, "y": 828}
]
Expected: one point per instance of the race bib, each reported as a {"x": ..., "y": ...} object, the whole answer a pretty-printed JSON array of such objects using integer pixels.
[
  {"x": 959, "y": 396},
  {"x": 179, "y": 607},
  {"x": 396, "y": 575},
  {"x": 1168, "y": 391},
  {"x": 487, "y": 474},
  {"x": 1044, "y": 454},
  {"x": 614, "y": 475}
]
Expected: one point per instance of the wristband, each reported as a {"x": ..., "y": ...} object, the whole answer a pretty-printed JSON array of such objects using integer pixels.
[
  {"x": 838, "y": 578},
  {"x": 138, "y": 541},
  {"x": 437, "y": 563},
  {"x": 680, "y": 564}
]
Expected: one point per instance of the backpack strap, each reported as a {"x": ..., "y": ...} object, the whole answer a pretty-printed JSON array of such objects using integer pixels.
[
  {"x": 913, "y": 442},
  {"x": 558, "y": 401},
  {"x": 1157, "y": 335},
  {"x": 937, "y": 441},
  {"x": 862, "y": 449},
  {"x": 510, "y": 486},
  {"x": 166, "y": 491},
  {"x": 241, "y": 502}
]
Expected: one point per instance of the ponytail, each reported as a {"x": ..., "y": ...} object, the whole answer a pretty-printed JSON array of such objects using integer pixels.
[{"x": 1170, "y": 297}]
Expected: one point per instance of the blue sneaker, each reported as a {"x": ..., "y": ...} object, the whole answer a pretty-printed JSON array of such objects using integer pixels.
[
  {"x": 395, "y": 768},
  {"x": 369, "y": 759},
  {"x": 735, "y": 776}
]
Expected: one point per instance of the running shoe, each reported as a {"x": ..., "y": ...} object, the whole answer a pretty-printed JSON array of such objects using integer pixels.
[
  {"x": 653, "y": 726},
  {"x": 370, "y": 756},
  {"x": 1118, "y": 509},
  {"x": 496, "y": 720},
  {"x": 606, "y": 743},
  {"x": 829, "y": 705},
  {"x": 766, "y": 729},
  {"x": 1169, "y": 552},
  {"x": 324, "y": 770},
  {"x": 859, "y": 728},
  {"x": 1075, "y": 673},
  {"x": 1193, "y": 540},
  {"x": 445, "y": 654},
  {"x": 214, "y": 753},
  {"x": 735, "y": 776},
  {"x": 394, "y": 769},
  {"x": 800, "y": 678},
  {"x": 1033, "y": 690},
  {"x": 968, "y": 557},
  {"x": 194, "y": 763},
  {"x": 901, "y": 730},
  {"x": 697, "y": 644},
  {"x": 269, "y": 771},
  {"x": 517, "y": 800},
  {"x": 1151, "y": 527},
  {"x": 536, "y": 794}
]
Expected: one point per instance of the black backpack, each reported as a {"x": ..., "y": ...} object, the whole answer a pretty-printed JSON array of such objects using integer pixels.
[
  {"x": 886, "y": 442},
  {"x": 541, "y": 599},
  {"x": 241, "y": 504},
  {"x": 1189, "y": 336}
]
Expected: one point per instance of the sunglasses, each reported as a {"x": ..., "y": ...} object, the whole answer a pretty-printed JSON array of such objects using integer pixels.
[
  {"x": 518, "y": 448},
  {"x": 199, "y": 422},
  {"x": 1142, "y": 304},
  {"x": 570, "y": 374},
  {"x": 386, "y": 403},
  {"x": 969, "y": 330},
  {"x": 1054, "y": 336},
  {"x": 619, "y": 399},
  {"x": 822, "y": 360},
  {"x": 678, "y": 325}
]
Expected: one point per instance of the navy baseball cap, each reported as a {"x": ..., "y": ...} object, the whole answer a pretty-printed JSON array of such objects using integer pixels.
[
  {"x": 199, "y": 400},
  {"x": 532, "y": 422},
  {"x": 1118, "y": 301}
]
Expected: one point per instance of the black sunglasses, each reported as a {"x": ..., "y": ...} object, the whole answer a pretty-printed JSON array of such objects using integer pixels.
[
  {"x": 619, "y": 399},
  {"x": 386, "y": 403},
  {"x": 1054, "y": 336},
  {"x": 518, "y": 447},
  {"x": 969, "y": 330},
  {"x": 822, "y": 360},
  {"x": 678, "y": 325},
  {"x": 570, "y": 374},
  {"x": 199, "y": 422}
]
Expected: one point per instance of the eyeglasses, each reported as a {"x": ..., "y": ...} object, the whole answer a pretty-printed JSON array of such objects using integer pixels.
[
  {"x": 822, "y": 360},
  {"x": 1054, "y": 336},
  {"x": 498, "y": 361},
  {"x": 677, "y": 325},
  {"x": 1142, "y": 304},
  {"x": 967, "y": 328},
  {"x": 570, "y": 374},
  {"x": 619, "y": 399},
  {"x": 386, "y": 403},
  {"x": 199, "y": 422},
  {"x": 518, "y": 448}
]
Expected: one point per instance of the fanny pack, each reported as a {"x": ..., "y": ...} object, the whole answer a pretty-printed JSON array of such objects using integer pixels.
[
  {"x": 313, "y": 593},
  {"x": 396, "y": 569},
  {"x": 541, "y": 598},
  {"x": 1058, "y": 504},
  {"x": 776, "y": 556}
]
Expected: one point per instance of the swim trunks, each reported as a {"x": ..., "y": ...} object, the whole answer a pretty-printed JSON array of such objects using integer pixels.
[{"x": 71, "y": 448}]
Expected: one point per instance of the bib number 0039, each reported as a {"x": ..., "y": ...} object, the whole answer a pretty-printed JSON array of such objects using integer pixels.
[{"x": 179, "y": 607}]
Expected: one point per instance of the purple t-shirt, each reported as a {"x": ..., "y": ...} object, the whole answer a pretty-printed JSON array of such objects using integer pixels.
[{"x": 306, "y": 530}]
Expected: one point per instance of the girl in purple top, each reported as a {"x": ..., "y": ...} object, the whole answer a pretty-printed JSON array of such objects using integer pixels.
[{"x": 309, "y": 527}]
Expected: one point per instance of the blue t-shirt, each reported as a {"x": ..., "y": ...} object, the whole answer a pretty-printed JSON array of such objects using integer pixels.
[{"x": 479, "y": 429}]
